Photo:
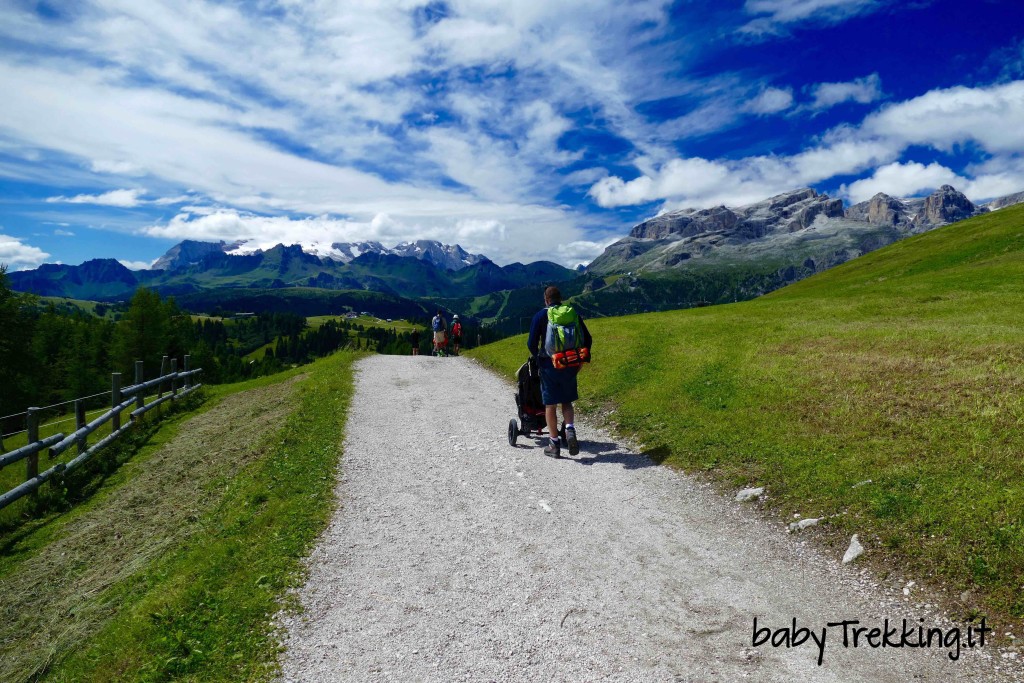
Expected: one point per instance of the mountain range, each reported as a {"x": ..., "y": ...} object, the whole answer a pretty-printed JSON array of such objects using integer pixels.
[
  {"x": 675, "y": 260},
  {"x": 450, "y": 257},
  {"x": 411, "y": 270},
  {"x": 793, "y": 228},
  {"x": 696, "y": 257}
]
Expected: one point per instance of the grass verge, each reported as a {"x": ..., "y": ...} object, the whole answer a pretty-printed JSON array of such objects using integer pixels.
[
  {"x": 888, "y": 389},
  {"x": 174, "y": 570}
]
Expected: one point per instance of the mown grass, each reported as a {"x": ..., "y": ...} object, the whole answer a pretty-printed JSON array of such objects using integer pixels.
[
  {"x": 903, "y": 367},
  {"x": 222, "y": 541},
  {"x": 63, "y": 423}
]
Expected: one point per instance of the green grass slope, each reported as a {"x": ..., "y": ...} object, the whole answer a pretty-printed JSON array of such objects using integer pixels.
[
  {"x": 173, "y": 568},
  {"x": 903, "y": 368}
]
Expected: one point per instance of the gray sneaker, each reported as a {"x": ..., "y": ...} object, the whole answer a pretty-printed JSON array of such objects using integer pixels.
[
  {"x": 552, "y": 449},
  {"x": 570, "y": 438}
]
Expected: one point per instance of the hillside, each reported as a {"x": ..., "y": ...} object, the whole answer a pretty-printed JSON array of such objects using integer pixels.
[
  {"x": 886, "y": 391},
  {"x": 173, "y": 566},
  {"x": 692, "y": 257}
]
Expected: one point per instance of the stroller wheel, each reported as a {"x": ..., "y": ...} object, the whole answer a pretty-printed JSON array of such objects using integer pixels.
[{"x": 513, "y": 432}]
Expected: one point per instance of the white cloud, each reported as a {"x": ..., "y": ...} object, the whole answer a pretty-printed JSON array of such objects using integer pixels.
[
  {"x": 120, "y": 198},
  {"x": 448, "y": 128},
  {"x": 915, "y": 179},
  {"x": 116, "y": 167},
  {"x": 944, "y": 118},
  {"x": 585, "y": 176},
  {"x": 774, "y": 15},
  {"x": 941, "y": 119},
  {"x": 771, "y": 101},
  {"x": 342, "y": 79},
  {"x": 18, "y": 255},
  {"x": 63, "y": 233},
  {"x": 135, "y": 265},
  {"x": 862, "y": 90},
  {"x": 903, "y": 180},
  {"x": 702, "y": 182},
  {"x": 525, "y": 238},
  {"x": 582, "y": 251}
]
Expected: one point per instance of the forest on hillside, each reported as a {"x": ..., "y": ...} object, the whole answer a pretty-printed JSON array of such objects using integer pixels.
[{"x": 50, "y": 353}]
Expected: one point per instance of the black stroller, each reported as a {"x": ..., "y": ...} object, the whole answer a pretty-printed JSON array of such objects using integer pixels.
[{"x": 529, "y": 405}]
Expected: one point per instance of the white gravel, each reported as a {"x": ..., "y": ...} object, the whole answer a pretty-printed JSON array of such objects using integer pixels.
[{"x": 455, "y": 557}]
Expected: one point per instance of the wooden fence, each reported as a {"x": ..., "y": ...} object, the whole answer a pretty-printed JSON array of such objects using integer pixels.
[{"x": 176, "y": 384}]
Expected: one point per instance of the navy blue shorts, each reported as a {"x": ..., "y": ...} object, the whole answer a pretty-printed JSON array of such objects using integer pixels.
[{"x": 558, "y": 386}]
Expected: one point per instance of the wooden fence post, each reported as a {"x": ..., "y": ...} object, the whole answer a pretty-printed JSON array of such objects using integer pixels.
[
  {"x": 32, "y": 461},
  {"x": 188, "y": 366},
  {"x": 79, "y": 423},
  {"x": 115, "y": 399},
  {"x": 174, "y": 380},
  {"x": 160, "y": 385},
  {"x": 140, "y": 396}
]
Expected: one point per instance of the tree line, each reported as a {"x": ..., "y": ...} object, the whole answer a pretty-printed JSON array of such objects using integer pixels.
[{"x": 50, "y": 352}]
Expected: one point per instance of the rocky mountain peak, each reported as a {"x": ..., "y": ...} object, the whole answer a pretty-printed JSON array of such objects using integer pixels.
[
  {"x": 1003, "y": 202},
  {"x": 945, "y": 205},
  {"x": 189, "y": 252},
  {"x": 880, "y": 210},
  {"x": 786, "y": 212}
]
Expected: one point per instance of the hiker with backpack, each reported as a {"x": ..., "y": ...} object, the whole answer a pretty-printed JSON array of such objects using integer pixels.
[
  {"x": 440, "y": 327},
  {"x": 456, "y": 334},
  {"x": 561, "y": 343}
]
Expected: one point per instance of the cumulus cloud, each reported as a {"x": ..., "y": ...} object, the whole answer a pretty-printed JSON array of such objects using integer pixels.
[
  {"x": 903, "y": 180},
  {"x": 19, "y": 256},
  {"x": 581, "y": 251},
  {"x": 940, "y": 119},
  {"x": 703, "y": 182},
  {"x": 135, "y": 265},
  {"x": 862, "y": 90},
  {"x": 502, "y": 241},
  {"x": 771, "y": 101},
  {"x": 944, "y": 118},
  {"x": 915, "y": 179},
  {"x": 120, "y": 198}
]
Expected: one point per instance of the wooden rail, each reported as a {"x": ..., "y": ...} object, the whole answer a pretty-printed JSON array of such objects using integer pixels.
[{"x": 122, "y": 398}]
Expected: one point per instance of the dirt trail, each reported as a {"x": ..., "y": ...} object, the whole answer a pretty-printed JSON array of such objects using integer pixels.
[{"x": 455, "y": 557}]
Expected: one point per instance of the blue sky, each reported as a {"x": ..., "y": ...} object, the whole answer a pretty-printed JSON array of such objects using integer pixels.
[{"x": 523, "y": 130}]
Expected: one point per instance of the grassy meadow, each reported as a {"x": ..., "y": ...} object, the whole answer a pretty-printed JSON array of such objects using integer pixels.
[
  {"x": 366, "y": 321},
  {"x": 174, "y": 566},
  {"x": 903, "y": 368}
]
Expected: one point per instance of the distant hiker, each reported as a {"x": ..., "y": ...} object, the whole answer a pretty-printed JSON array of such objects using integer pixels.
[
  {"x": 414, "y": 339},
  {"x": 561, "y": 343},
  {"x": 456, "y": 334},
  {"x": 440, "y": 327}
]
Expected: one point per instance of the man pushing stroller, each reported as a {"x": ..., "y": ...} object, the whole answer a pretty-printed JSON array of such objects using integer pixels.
[{"x": 561, "y": 343}]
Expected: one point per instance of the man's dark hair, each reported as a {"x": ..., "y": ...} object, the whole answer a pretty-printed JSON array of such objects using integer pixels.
[
  {"x": 439, "y": 311},
  {"x": 553, "y": 295}
]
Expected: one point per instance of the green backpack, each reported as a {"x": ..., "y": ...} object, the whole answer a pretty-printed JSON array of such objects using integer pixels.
[{"x": 564, "y": 339}]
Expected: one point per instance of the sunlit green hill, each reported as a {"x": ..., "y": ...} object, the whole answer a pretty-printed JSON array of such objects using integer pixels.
[{"x": 889, "y": 389}]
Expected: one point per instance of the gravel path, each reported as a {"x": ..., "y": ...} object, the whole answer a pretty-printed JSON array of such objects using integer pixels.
[{"x": 455, "y": 557}]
